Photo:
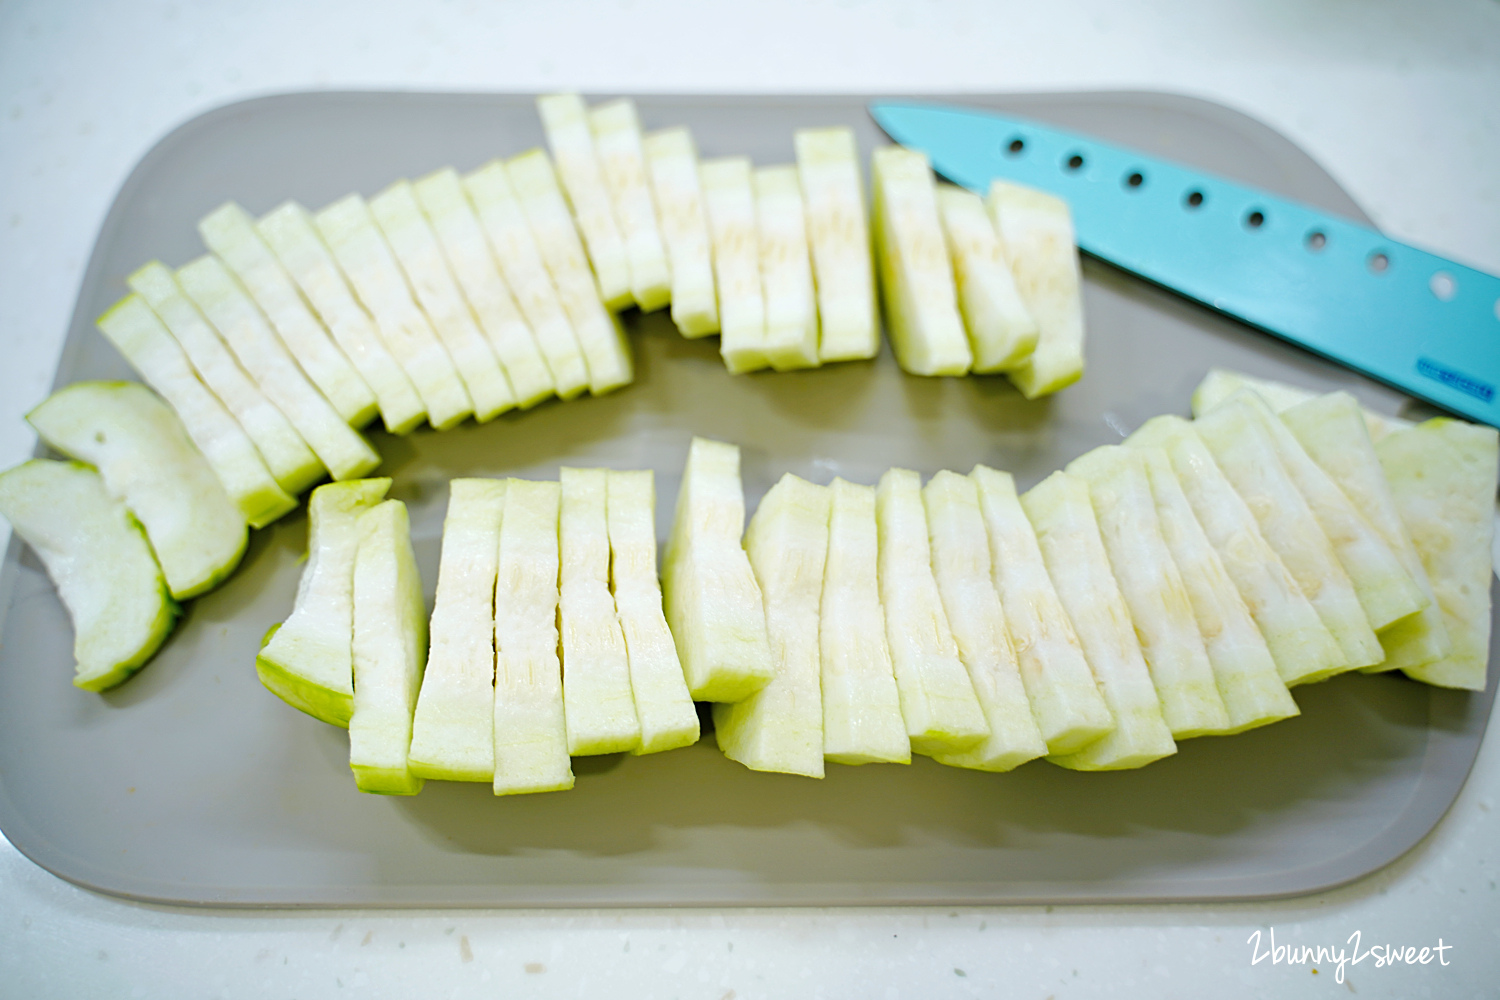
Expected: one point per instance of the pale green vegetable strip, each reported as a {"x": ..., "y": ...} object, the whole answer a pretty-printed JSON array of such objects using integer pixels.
[
  {"x": 942, "y": 712},
  {"x": 785, "y": 270},
  {"x": 972, "y": 605},
  {"x": 662, "y": 703},
  {"x": 916, "y": 279},
  {"x": 284, "y": 451},
  {"x": 1333, "y": 430},
  {"x": 420, "y": 257},
  {"x": 712, "y": 601},
  {"x": 1442, "y": 474},
  {"x": 1386, "y": 592},
  {"x": 1065, "y": 701},
  {"x": 862, "y": 721},
  {"x": 350, "y": 232},
  {"x": 780, "y": 727},
  {"x": 531, "y": 738},
  {"x": 622, "y": 162},
  {"x": 99, "y": 559},
  {"x": 1221, "y": 383},
  {"x": 453, "y": 730},
  {"x": 390, "y": 648},
  {"x": 441, "y": 195},
  {"x": 1244, "y": 450},
  {"x": 1036, "y": 230},
  {"x": 230, "y": 233},
  {"x": 341, "y": 449},
  {"x": 150, "y": 464},
  {"x": 1153, "y": 590},
  {"x": 600, "y": 337},
  {"x": 521, "y": 264},
  {"x": 308, "y": 661},
  {"x": 1001, "y": 332},
  {"x": 838, "y": 234},
  {"x": 1244, "y": 669},
  {"x": 1300, "y": 643},
  {"x": 1068, "y": 535},
  {"x": 289, "y": 232},
  {"x": 672, "y": 159},
  {"x": 597, "y": 700},
  {"x": 151, "y": 350},
  {"x": 729, "y": 200},
  {"x": 566, "y": 122}
]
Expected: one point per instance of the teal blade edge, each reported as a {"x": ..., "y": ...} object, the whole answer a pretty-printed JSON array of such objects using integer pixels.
[{"x": 1337, "y": 288}]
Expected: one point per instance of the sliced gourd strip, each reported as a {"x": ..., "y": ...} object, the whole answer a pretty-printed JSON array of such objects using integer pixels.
[
  {"x": 308, "y": 660},
  {"x": 1065, "y": 701},
  {"x": 150, "y": 464},
  {"x": 962, "y": 569},
  {"x": 453, "y": 730},
  {"x": 838, "y": 234},
  {"x": 99, "y": 559},
  {"x": 712, "y": 601},
  {"x": 785, "y": 270},
  {"x": 289, "y": 232},
  {"x": 780, "y": 727},
  {"x": 662, "y": 703},
  {"x": 729, "y": 199},
  {"x": 1036, "y": 230},
  {"x": 1153, "y": 590},
  {"x": 350, "y": 232},
  {"x": 1221, "y": 383},
  {"x": 531, "y": 738},
  {"x": 672, "y": 159},
  {"x": 230, "y": 233},
  {"x": 1068, "y": 535},
  {"x": 862, "y": 721},
  {"x": 285, "y": 453},
  {"x": 921, "y": 300},
  {"x": 1001, "y": 332},
  {"x": 1301, "y": 644},
  {"x": 622, "y": 162},
  {"x": 441, "y": 195}
]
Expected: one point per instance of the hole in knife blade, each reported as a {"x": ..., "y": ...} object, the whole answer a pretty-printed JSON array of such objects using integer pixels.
[
  {"x": 1194, "y": 199},
  {"x": 1444, "y": 286},
  {"x": 1255, "y": 219},
  {"x": 1316, "y": 240},
  {"x": 1136, "y": 179},
  {"x": 1379, "y": 263},
  {"x": 1075, "y": 162},
  {"x": 1016, "y": 146}
]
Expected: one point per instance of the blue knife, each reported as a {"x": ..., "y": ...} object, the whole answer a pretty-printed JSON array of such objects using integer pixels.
[{"x": 1426, "y": 325}]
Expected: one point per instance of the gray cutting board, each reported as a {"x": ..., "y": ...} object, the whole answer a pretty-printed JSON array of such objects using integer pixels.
[{"x": 193, "y": 784}]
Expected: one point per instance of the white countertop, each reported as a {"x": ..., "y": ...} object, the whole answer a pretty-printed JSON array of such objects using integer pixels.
[{"x": 1396, "y": 100}]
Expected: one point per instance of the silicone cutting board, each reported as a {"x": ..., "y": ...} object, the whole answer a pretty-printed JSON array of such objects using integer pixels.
[{"x": 192, "y": 784}]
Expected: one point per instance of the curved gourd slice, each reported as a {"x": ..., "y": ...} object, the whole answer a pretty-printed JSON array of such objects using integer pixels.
[
  {"x": 672, "y": 159},
  {"x": 662, "y": 703},
  {"x": 1221, "y": 383},
  {"x": 1002, "y": 333},
  {"x": 962, "y": 569},
  {"x": 416, "y": 248},
  {"x": 1069, "y": 710},
  {"x": 1301, "y": 644},
  {"x": 1153, "y": 589},
  {"x": 150, "y": 464},
  {"x": 447, "y": 208},
  {"x": 838, "y": 234},
  {"x": 308, "y": 661},
  {"x": 942, "y": 712},
  {"x": 921, "y": 300},
  {"x": 566, "y": 122},
  {"x": 1244, "y": 669},
  {"x": 230, "y": 233},
  {"x": 1068, "y": 535},
  {"x": 390, "y": 648},
  {"x": 622, "y": 164},
  {"x": 780, "y": 727},
  {"x": 597, "y": 700},
  {"x": 862, "y": 721},
  {"x": 729, "y": 200},
  {"x": 1036, "y": 230},
  {"x": 290, "y": 234},
  {"x": 139, "y": 335},
  {"x": 785, "y": 270},
  {"x": 98, "y": 557},
  {"x": 1442, "y": 474},
  {"x": 285, "y": 452},
  {"x": 453, "y": 730}
]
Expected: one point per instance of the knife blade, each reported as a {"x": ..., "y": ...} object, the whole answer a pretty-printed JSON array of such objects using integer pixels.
[{"x": 1426, "y": 325}]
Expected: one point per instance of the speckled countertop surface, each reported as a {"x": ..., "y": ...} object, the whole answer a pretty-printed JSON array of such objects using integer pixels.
[{"x": 1396, "y": 100}]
